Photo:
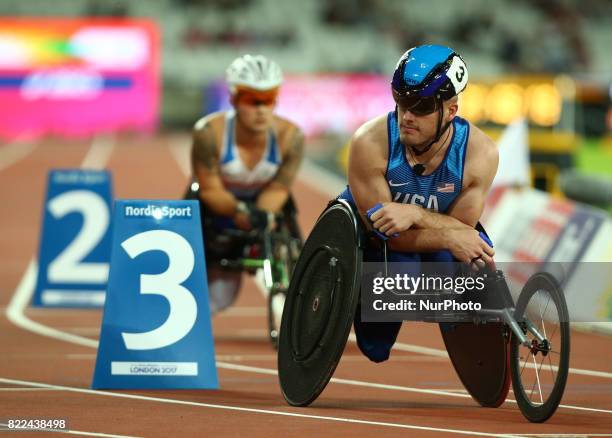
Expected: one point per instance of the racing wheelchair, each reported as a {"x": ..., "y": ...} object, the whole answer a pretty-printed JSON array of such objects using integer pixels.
[
  {"x": 271, "y": 248},
  {"x": 526, "y": 343}
]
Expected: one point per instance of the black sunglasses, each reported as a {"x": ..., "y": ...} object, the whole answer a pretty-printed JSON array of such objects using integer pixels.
[{"x": 417, "y": 105}]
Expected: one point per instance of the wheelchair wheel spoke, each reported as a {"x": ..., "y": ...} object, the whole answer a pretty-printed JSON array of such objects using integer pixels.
[
  {"x": 538, "y": 300},
  {"x": 552, "y": 336},
  {"x": 524, "y": 364},
  {"x": 537, "y": 373},
  {"x": 542, "y": 316},
  {"x": 541, "y": 364},
  {"x": 552, "y": 370}
]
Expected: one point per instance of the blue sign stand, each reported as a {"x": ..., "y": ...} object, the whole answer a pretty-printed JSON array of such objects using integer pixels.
[
  {"x": 75, "y": 244},
  {"x": 156, "y": 330}
]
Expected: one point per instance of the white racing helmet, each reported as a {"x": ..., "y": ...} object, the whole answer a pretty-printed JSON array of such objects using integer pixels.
[{"x": 253, "y": 71}]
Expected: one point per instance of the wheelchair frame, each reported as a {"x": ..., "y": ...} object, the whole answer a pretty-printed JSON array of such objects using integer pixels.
[{"x": 516, "y": 329}]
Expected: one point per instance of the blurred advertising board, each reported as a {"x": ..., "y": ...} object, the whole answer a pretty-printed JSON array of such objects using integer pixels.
[
  {"x": 322, "y": 103},
  {"x": 571, "y": 240},
  {"x": 77, "y": 77},
  {"x": 342, "y": 102}
]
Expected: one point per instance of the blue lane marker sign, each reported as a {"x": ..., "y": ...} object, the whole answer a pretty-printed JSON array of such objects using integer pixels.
[
  {"x": 156, "y": 329},
  {"x": 75, "y": 245}
]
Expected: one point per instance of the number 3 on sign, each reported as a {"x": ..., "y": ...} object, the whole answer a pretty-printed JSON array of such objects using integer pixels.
[{"x": 183, "y": 307}]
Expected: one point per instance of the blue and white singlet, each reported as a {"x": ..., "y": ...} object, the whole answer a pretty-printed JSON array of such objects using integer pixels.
[
  {"x": 243, "y": 182},
  {"x": 436, "y": 191}
]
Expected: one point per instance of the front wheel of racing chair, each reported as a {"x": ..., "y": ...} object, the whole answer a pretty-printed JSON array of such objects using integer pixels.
[
  {"x": 286, "y": 250},
  {"x": 539, "y": 363}
]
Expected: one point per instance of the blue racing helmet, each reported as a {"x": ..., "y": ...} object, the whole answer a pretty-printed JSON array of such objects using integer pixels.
[{"x": 426, "y": 75}]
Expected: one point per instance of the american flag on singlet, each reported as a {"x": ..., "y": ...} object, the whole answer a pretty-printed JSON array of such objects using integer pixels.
[{"x": 445, "y": 187}]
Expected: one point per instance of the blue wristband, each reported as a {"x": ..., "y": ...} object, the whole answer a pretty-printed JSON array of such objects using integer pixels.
[
  {"x": 484, "y": 237},
  {"x": 373, "y": 210},
  {"x": 370, "y": 212}
]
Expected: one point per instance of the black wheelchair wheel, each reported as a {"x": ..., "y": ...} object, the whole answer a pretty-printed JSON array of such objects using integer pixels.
[
  {"x": 321, "y": 302},
  {"x": 539, "y": 370}
]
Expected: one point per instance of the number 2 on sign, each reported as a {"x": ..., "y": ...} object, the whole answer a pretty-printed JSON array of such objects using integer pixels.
[
  {"x": 183, "y": 307},
  {"x": 68, "y": 266}
]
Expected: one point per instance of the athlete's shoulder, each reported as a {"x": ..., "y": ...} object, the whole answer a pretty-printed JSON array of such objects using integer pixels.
[
  {"x": 288, "y": 133},
  {"x": 480, "y": 144},
  {"x": 214, "y": 121},
  {"x": 284, "y": 124},
  {"x": 368, "y": 146},
  {"x": 286, "y": 128},
  {"x": 482, "y": 155},
  {"x": 372, "y": 133}
]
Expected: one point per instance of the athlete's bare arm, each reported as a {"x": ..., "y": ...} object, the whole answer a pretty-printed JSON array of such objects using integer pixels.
[
  {"x": 205, "y": 163},
  {"x": 481, "y": 163},
  {"x": 368, "y": 165},
  {"x": 274, "y": 196}
]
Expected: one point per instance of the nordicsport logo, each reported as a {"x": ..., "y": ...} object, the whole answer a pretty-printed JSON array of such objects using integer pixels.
[{"x": 157, "y": 212}]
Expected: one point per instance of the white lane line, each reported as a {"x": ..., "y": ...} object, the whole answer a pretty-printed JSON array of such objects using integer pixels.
[
  {"x": 81, "y": 356},
  {"x": 411, "y": 348},
  {"x": 99, "y": 152},
  {"x": 21, "y": 299},
  {"x": 270, "y": 371},
  {"x": 14, "y": 152},
  {"x": 244, "y": 357},
  {"x": 560, "y": 435},
  {"x": 27, "y": 389},
  {"x": 273, "y": 372},
  {"x": 69, "y": 432},
  {"x": 180, "y": 149},
  {"x": 243, "y": 311},
  {"x": 85, "y": 331},
  {"x": 251, "y": 410},
  {"x": 442, "y": 353},
  {"x": 81, "y": 432}
]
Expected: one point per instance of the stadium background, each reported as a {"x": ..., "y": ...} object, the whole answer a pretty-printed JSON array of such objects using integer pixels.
[{"x": 545, "y": 60}]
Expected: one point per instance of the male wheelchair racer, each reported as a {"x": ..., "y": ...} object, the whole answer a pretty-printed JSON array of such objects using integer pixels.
[
  {"x": 499, "y": 343},
  {"x": 271, "y": 247}
]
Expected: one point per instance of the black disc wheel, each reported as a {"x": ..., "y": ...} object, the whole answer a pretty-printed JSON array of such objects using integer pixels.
[{"x": 539, "y": 366}]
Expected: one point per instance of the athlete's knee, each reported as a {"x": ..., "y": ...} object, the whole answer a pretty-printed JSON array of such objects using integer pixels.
[
  {"x": 375, "y": 352},
  {"x": 375, "y": 339},
  {"x": 223, "y": 288},
  {"x": 221, "y": 301}
]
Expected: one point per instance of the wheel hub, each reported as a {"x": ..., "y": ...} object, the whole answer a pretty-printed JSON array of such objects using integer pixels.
[{"x": 543, "y": 347}]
